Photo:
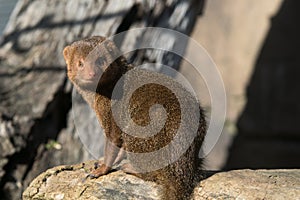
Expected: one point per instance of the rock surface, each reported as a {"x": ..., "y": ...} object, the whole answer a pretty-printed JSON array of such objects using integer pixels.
[
  {"x": 251, "y": 184},
  {"x": 69, "y": 182},
  {"x": 269, "y": 125}
]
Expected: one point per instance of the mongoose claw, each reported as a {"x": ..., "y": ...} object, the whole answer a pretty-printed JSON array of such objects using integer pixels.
[
  {"x": 84, "y": 179},
  {"x": 91, "y": 176},
  {"x": 100, "y": 171},
  {"x": 98, "y": 164}
]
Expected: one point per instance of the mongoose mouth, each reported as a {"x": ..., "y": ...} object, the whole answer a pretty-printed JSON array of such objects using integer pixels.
[{"x": 90, "y": 80}]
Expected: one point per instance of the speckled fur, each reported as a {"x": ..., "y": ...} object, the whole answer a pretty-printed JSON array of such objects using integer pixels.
[{"x": 178, "y": 177}]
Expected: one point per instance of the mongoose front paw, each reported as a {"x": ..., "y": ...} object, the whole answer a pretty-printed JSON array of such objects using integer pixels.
[
  {"x": 102, "y": 170},
  {"x": 98, "y": 164}
]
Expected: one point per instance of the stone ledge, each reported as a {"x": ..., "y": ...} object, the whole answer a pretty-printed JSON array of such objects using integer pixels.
[
  {"x": 251, "y": 184},
  {"x": 69, "y": 182}
]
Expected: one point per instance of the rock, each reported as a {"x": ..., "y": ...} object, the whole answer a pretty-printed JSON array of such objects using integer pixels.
[
  {"x": 251, "y": 184},
  {"x": 269, "y": 125},
  {"x": 70, "y": 182},
  {"x": 6, "y": 149}
]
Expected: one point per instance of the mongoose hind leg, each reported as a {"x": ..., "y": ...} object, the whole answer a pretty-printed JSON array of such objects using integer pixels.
[{"x": 128, "y": 169}]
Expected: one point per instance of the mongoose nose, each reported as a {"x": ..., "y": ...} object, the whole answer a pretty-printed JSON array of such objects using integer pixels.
[{"x": 92, "y": 74}]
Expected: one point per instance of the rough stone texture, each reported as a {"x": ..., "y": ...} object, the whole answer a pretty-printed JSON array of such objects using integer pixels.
[
  {"x": 251, "y": 184},
  {"x": 232, "y": 32},
  {"x": 35, "y": 96},
  {"x": 255, "y": 47},
  {"x": 268, "y": 129},
  {"x": 69, "y": 182}
]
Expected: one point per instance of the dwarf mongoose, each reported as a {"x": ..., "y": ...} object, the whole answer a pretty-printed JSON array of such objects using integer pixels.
[{"x": 95, "y": 73}]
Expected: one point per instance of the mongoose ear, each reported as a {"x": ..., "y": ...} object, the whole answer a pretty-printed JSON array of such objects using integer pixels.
[
  {"x": 110, "y": 46},
  {"x": 67, "y": 53}
]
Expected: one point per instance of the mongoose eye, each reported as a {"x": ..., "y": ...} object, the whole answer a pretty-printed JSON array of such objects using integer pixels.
[
  {"x": 100, "y": 62},
  {"x": 80, "y": 64}
]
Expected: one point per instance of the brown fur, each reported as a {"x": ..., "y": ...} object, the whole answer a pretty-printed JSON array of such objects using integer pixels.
[{"x": 178, "y": 177}]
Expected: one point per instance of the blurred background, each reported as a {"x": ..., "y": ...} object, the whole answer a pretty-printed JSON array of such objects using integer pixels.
[{"x": 253, "y": 43}]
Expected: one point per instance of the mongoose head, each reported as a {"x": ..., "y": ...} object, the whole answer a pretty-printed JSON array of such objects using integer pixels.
[{"x": 91, "y": 61}]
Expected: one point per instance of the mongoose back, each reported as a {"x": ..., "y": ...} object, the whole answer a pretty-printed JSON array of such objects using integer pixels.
[{"x": 95, "y": 73}]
